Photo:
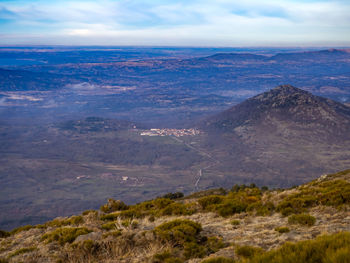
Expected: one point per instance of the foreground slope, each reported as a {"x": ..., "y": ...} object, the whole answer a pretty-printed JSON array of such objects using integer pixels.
[{"x": 244, "y": 224}]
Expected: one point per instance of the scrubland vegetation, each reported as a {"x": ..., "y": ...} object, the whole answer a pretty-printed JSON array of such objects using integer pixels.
[{"x": 246, "y": 224}]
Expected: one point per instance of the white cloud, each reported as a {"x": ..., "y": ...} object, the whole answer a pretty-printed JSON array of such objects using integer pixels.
[{"x": 198, "y": 22}]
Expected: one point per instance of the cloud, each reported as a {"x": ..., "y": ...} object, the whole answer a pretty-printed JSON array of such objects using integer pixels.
[{"x": 196, "y": 22}]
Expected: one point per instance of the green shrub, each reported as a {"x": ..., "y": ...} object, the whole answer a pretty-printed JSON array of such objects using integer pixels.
[
  {"x": 73, "y": 220},
  {"x": 114, "y": 234},
  {"x": 110, "y": 217},
  {"x": 218, "y": 260},
  {"x": 160, "y": 203},
  {"x": 173, "y": 196},
  {"x": 231, "y": 208},
  {"x": 324, "y": 249},
  {"x": 235, "y": 222},
  {"x": 20, "y": 229},
  {"x": 207, "y": 201},
  {"x": 286, "y": 211},
  {"x": 113, "y": 205},
  {"x": 178, "y": 231},
  {"x": 2, "y": 260},
  {"x": 302, "y": 219},
  {"x": 4, "y": 234},
  {"x": 131, "y": 213},
  {"x": 109, "y": 226},
  {"x": 65, "y": 235},
  {"x": 194, "y": 250},
  {"x": 248, "y": 251},
  {"x": 22, "y": 251},
  {"x": 282, "y": 229},
  {"x": 177, "y": 209},
  {"x": 334, "y": 193},
  {"x": 214, "y": 244},
  {"x": 341, "y": 255},
  {"x": 166, "y": 257},
  {"x": 264, "y": 209}
]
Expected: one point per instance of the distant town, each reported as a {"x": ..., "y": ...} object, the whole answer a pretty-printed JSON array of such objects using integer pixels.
[{"x": 170, "y": 132}]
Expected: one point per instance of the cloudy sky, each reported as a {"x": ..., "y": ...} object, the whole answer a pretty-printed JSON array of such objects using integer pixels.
[{"x": 176, "y": 22}]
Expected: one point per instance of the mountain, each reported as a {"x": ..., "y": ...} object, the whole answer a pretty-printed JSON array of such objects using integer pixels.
[
  {"x": 219, "y": 57},
  {"x": 245, "y": 224},
  {"x": 285, "y": 129},
  {"x": 285, "y": 105},
  {"x": 321, "y": 55}
]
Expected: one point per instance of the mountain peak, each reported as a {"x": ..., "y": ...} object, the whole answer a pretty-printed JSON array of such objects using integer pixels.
[
  {"x": 281, "y": 92},
  {"x": 287, "y": 89}
]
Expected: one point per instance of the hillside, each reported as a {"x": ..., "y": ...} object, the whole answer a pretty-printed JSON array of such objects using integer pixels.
[
  {"x": 284, "y": 129},
  {"x": 243, "y": 224},
  {"x": 285, "y": 104}
]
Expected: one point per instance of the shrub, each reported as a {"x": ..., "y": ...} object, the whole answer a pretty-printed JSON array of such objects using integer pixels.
[
  {"x": 231, "y": 208},
  {"x": 115, "y": 233},
  {"x": 282, "y": 229},
  {"x": 214, "y": 244},
  {"x": 166, "y": 257},
  {"x": 218, "y": 260},
  {"x": 113, "y": 205},
  {"x": 287, "y": 211},
  {"x": 20, "y": 229},
  {"x": 178, "y": 231},
  {"x": 109, "y": 226},
  {"x": 235, "y": 222},
  {"x": 130, "y": 213},
  {"x": 194, "y": 250},
  {"x": 110, "y": 217},
  {"x": 173, "y": 196},
  {"x": 22, "y": 251},
  {"x": 65, "y": 235},
  {"x": 324, "y": 249},
  {"x": 248, "y": 251},
  {"x": 4, "y": 234},
  {"x": 331, "y": 193},
  {"x": 264, "y": 209},
  {"x": 73, "y": 220},
  {"x": 302, "y": 219},
  {"x": 207, "y": 201},
  {"x": 177, "y": 209}
]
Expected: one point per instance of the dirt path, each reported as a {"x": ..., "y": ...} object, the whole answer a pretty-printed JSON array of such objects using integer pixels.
[{"x": 201, "y": 169}]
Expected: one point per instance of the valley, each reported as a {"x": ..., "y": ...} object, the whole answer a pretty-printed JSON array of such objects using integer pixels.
[{"x": 139, "y": 127}]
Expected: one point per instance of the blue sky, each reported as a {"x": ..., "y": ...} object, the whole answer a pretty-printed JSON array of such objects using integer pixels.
[{"x": 176, "y": 22}]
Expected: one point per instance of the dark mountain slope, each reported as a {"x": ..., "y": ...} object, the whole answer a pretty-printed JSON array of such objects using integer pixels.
[
  {"x": 285, "y": 129},
  {"x": 285, "y": 104}
]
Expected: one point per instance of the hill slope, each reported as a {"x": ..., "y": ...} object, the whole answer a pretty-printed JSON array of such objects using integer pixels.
[
  {"x": 245, "y": 224},
  {"x": 286, "y": 104},
  {"x": 285, "y": 129}
]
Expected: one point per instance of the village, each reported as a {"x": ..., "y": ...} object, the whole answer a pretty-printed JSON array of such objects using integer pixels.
[{"x": 170, "y": 132}]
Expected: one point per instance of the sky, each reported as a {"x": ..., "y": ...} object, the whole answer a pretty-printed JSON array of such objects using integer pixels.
[{"x": 228, "y": 23}]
